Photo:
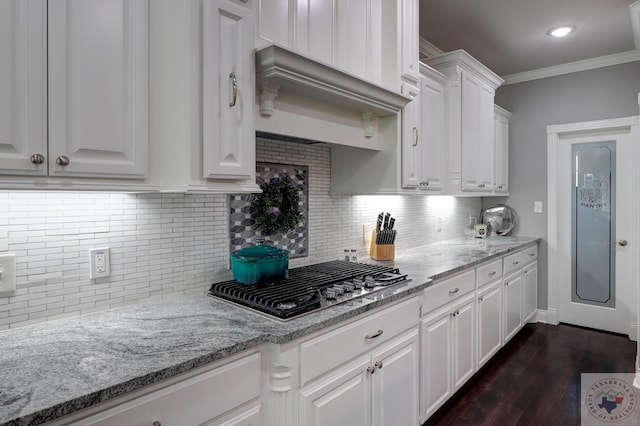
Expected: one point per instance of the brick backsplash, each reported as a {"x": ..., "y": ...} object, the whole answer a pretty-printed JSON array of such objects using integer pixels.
[{"x": 167, "y": 244}]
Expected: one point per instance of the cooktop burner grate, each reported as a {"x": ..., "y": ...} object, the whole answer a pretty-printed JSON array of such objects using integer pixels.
[{"x": 303, "y": 291}]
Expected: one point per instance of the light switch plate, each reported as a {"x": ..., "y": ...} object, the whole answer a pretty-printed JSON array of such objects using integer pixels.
[
  {"x": 537, "y": 206},
  {"x": 99, "y": 261},
  {"x": 7, "y": 274}
]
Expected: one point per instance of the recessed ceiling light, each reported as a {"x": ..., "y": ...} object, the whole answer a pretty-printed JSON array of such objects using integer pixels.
[{"x": 561, "y": 31}]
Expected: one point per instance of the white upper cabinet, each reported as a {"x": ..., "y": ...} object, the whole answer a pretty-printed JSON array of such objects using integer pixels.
[
  {"x": 92, "y": 57},
  {"x": 23, "y": 85},
  {"x": 202, "y": 96},
  {"x": 469, "y": 115},
  {"x": 411, "y": 138},
  {"x": 422, "y": 132},
  {"x": 347, "y": 34},
  {"x": 432, "y": 85},
  {"x": 228, "y": 129},
  {"x": 409, "y": 40},
  {"x": 98, "y": 88},
  {"x": 501, "y": 130}
]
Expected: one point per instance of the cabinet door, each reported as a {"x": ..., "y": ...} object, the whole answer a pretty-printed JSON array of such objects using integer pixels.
[
  {"x": 501, "y": 130},
  {"x": 342, "y": 397},
  {"x": 395, "y": 383},
  {"x": 195, "y": 401},
  {"x": 464, "y": 348},
  {"x": 435, "y": 361},
  {"x": 512, "y": 305},
  {"x": 346, "y": 34},
  {"x": 98, "y": 82},
  {"x": 228, "y": 129},
  {"x": 477, "y": 135},
  {"x": 409, "y": 39},
  {"x": 489, "y": 322},
  {"x": 411, "y": 138},
  {"x": 432, "y": 130},
  {"x": 530, "y": 305},
  {"x": 23, "y": 85},
  {"x": 486, "y": 140}
]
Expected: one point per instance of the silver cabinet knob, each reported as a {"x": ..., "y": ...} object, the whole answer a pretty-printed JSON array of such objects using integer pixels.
[
  {"x": 378, "y": 365},
  {"x": 156, "y": 423},
  {"x": 622, "y": 243},
  {"x": 63, "y": 160},
  {"x": 371, "y": 370},
  {"x": 37, "y": 159}
]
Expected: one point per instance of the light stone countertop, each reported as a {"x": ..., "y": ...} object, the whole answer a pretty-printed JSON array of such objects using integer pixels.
[{"x": 55, "y": 368}]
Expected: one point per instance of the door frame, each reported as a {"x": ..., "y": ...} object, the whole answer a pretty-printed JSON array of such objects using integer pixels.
[{"x": 554, "y": 134}]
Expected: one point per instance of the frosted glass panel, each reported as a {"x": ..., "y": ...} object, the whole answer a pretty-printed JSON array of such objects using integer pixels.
[{"x": 593, "y": 223}]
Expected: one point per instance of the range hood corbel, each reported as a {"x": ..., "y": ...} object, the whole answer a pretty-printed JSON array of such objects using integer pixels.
[{"x": 279, "y": 69}]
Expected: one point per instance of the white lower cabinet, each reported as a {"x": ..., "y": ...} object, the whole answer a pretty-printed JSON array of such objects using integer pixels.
[
  {"x": 225, "y": 395},
  {"x": 378, "y": 388},
  {"x": 489, "y": 321},
  {"x": 512, "y": 304},
  {"x": 447, "y": 343},
  {"x": 342, "y": 398},
  {"x": 530, "y": 299},
  {"x": 520, "y": 290},
  {"x": 364, "y": 372}
]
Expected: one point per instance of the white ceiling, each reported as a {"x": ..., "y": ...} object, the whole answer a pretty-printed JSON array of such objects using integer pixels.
[{"x": 510, "y": 36}]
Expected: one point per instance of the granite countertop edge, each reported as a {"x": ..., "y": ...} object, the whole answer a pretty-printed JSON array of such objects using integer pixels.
[{"x": 268, "y": 331}]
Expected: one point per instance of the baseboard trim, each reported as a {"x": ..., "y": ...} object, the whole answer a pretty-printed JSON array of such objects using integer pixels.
[{"x": 547, "y": 316}]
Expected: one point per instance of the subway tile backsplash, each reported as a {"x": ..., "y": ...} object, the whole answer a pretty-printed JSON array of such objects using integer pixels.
[{"x": 167, "y": 244}]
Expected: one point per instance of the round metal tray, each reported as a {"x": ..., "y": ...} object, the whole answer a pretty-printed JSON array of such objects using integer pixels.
[{"x": 500, "y": 218}]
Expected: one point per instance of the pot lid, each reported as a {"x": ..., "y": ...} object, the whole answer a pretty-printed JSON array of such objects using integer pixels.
[{"x": 260, "y": 251}]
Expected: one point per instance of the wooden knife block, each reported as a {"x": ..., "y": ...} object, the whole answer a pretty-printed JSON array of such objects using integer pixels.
[{"x": 382, "y": 251}]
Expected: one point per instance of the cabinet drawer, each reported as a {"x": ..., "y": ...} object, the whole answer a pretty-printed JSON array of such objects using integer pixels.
[
  {"x": 193, "y": 401},
  {"x": 530, "y": 254},
  {"x": 488, "y": 272},
  {"x": 513, "y": 262},
  {"x": 333, "y": 348},
  {"x": 449, "y": 290}
]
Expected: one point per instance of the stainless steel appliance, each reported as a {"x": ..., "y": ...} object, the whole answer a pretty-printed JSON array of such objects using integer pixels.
[{"x": 311, "y": 288}]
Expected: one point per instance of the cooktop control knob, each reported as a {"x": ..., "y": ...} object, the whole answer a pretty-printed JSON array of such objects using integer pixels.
[
  {"x": 357, "y": 283},
  {"x": 369, "y": 281}
]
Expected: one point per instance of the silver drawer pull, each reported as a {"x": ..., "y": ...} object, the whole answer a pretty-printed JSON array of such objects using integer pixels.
[
  {"x": 531, "y": 254},
  {"x": 492, "y": 273},
  {"x": 454, "y": 291},
  {"x": 516, "y": 263},
  {"x": 373, "y": 336},
  {"x": 234, "y": 89}
]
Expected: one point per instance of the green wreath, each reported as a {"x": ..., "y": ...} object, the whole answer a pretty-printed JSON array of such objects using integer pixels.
[{"x": 277, "y": 208}]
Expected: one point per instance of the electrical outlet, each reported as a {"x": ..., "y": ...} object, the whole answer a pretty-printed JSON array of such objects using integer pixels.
[
  {"x": 99, "y": 263},
  {"x": 7, "y": 274}
]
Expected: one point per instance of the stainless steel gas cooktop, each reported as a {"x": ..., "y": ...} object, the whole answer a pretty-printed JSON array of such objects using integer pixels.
[{"x": 311, "y": 288}]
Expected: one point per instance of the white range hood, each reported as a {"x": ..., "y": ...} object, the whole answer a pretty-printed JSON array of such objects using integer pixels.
[{"x": 298, "y": 97}]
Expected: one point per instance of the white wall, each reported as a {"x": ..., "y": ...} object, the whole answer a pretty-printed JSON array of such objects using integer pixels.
[
  {"x": 602, "y": 93},
  {"x": 166, "y": 244}
]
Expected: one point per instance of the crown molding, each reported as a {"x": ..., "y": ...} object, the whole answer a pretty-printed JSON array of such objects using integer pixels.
[
  {"x": 571, "y": 67},
  {"x": 429, "y": 50}
]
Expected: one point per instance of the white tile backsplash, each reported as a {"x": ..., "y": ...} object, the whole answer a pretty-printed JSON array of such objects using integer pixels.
[{"x": 166, "y": 244}]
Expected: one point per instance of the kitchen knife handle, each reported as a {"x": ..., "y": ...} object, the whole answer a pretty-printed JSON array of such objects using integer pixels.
[{"x": 392, "y": 221}]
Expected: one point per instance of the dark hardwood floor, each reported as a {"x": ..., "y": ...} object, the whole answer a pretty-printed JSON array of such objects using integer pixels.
[{"x": 535, "y": 379}]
